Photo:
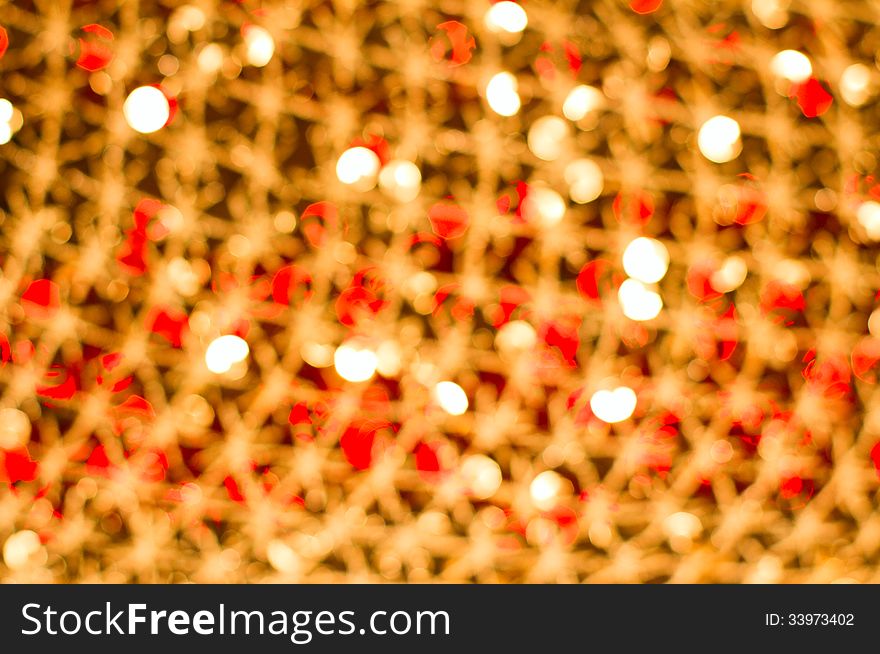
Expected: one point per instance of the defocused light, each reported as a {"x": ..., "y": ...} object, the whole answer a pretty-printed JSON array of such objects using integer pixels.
[
  {"x": 282, "y": 557},
  {"x": 547, "y": 137},
  {"x": 506, "y": 17},
  {"x": 6, "y": 109},
  {"x": 730, "y": 275},
  {"x": 516, "y": 335},
  {"x": 772, "y": 13},
  {"x": 224, "y": 352},
  {"x": 210, "y": 58},
  {"x": 718, "y": 139},
  {"x": 545, "y": 489},
  {"x": 585, "y": 180},
  {"x": 791, "y": 65},
  {"x": 637, "y": 301},
  {"x": 615, "y": 405},
  {"x": 868, "y": 215},
  {"x": 19, "y": 548},
  {"x": 581, "y": 100},
  {"x": 259, "y": 44},
  {"x": 401, "y": 179},
  {"x": 501, "y": 94},
  {"x": 358, "y": 166},
  {"x": 146, "y": 109},
  {"x": 481, "y": 476},
  {"x": 15, "y": 429},
  {"x": 388, "y": 357},
  {"x": 646, "y": 259},
  {"x": 855, "y": 85},
  {"x": 683, "y": 525},
  {"x": 354, "y": 362},
  {"x": 544, "y": 205},
  {"x": 451, "y": 398}
]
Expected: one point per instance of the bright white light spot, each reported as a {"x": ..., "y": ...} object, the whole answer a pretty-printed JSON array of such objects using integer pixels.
[
  {"x": 451, "y": 398},
  {"x": 581, "y": 100},
  {"x": 358, "y": 166},
  {"x": 6, "y": 110},
  {"x": 547, "y": 137},
  {"x": 401, "y": 179},
  {"x": 210, "y": 58},
  {"x": 730, "y": 275},
  {"x": 517, "y": 335},
  {"x": 868, "y": 215},
  {"x": 19, "y": 548},
  {"x": 772, "y": 13},
  {"x": 585, "y": 180},
  {"x": 481, "y": 476},
  {"x": 637, "y": 301},
  {"x": 224, "y": 352},
  {"x": 354, "y": 362},
  {"x": 646, "y": 259},
  {"x": 506, "y": 17},
  {"x": 682, "y": 525},
  {"x": 260, "y": 45},
  {"x": 613, "y": 406},
  {"x": 718, "y": 139},
  {"x": 5, "y": 133},
  {"x": 545, "y": 488},
  {"x": 191, "y": 18},
  {"x": 791, "y": 65},
  {"x": 544, "y": 205},
  {"x": 855, "y": 85},
  {"x": 501, "y": 94},
  {"x": 282, "y": 557},
  {"x": 146, "y": 109},
  {"x": 15, "y": 428}
]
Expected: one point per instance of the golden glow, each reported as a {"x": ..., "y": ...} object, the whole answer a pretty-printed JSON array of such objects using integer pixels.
[
  {"x": 718, "y": 139},
  {"x": 772, "y": 13},
  {"x": 730, "y": 275},
  {"x": 358, "y": 166},
  {"x": 19, "y": 548},
  {"x": 585, "y": 180},
  {"x": 400, "y": 179},
  {"x": 15, "y": 429},
  {"x": 451, "y": 398},
  {"x": 259, "y": 44},
  {"x": 501, "y": 94},
  {"x": 855, "y": 85},
  {"x": 282, "y": 557},
  {"x": 481, "y": 476},
  {"x": 581, "y": 100},
  {"x": 868, "y": 215},
  {"x": 146, "y": 109},
  {"x": 355, "y": 362},
  {"x": 544, "y": 205},
  {"x": 646, "y": 259},
  {"x": 613, "y": 406},
  {"x": 637, "y": 301},
  {"x": 545, "y": 489},
  {"x": 517, "y": 335},
  {"x": 547, "y": 137},
  {"x": 791, "y": 65},
  {"x": 506, "y": 16},
  {"x": 224, "y": 352}
]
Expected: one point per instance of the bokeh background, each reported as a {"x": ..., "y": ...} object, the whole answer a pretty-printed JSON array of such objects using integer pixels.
[{"x": 337, "y": 291}]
